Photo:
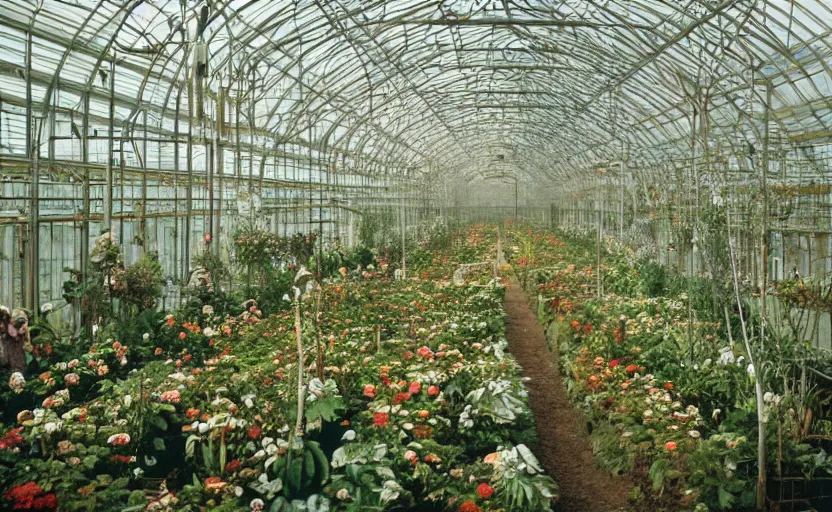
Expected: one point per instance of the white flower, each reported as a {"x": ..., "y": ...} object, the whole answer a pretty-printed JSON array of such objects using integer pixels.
[
  {"x": 51, "y": 427},
  {"x": 349, "y": 435},
  {"x": 716, "y": 413},
  {"x": 750, "y": 370},
  {"x": 128, "y": 399},
  {"x": 146, "y": 336},
  {"x": 695, "y": 434},
  {"x": 208, "y": 332},
  {"x": 207, "y": 310},
  {"x": 17, "y": 382},
  {"x": 46, "y": 308},
  {"x": 342, "y": 494}
]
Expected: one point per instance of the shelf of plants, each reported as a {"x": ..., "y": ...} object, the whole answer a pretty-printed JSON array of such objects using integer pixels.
[{"x": 408, "y": 401}]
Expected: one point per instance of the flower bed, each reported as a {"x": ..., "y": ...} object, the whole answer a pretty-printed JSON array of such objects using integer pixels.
[
  {"x": 668, "y": 398},
  {"x": 410, "y": 401}
]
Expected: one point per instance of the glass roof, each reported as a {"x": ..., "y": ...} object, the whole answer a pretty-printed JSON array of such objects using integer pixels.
[{"x": 457, "y": 88}]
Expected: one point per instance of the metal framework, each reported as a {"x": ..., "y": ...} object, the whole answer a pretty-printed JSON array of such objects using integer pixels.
[{"x": 155, "y": 118}]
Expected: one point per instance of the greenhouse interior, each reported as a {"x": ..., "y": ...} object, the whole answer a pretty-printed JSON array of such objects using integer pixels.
[{"x": 416, "y": 255}]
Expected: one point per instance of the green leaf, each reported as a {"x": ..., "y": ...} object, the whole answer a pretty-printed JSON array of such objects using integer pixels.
[
  {"x": 657, "y": 473},
  {"x": 89, "y": 461},
  {"x": 293, "y": 475},
  {"x": 159, "y": 422},
  {"x": 223, "y": 455},
  {"x": 308, "y": 465},
  {"x": 321, "y": 462},
  {"x": 137, "y": 498},
  {"x": 159, "y": 444},
  {"x": 190, "y": 444},
  {"x": 726, "y": 499}
]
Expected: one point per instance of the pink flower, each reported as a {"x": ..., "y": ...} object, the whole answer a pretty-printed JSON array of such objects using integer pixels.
[
  {"x": 171, "y": 396},
  {"x": 425, "y": 352},
  {"x": 118, "y": 439},
  {"x": 369, "y": 390},
  {"x": 415, "y": 387}
]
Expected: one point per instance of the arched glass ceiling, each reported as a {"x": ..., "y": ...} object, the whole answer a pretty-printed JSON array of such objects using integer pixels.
[{"x": 543, "y": 88}]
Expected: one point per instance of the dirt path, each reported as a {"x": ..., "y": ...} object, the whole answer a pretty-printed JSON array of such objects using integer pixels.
[{"x": 564, "y": 447}]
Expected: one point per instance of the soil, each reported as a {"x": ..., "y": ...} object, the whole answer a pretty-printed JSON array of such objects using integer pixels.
[{"x": 564, "y": 448}]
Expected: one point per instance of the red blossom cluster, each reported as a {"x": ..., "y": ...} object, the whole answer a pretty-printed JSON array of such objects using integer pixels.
[
  {"x": 11, "y": 439},
  {"x": 30, "y": 496},
  {"x": 380, "y": 419}
]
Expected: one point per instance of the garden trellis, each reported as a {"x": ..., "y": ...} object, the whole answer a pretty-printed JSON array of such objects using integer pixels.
[{"x": 696, "y": 134}]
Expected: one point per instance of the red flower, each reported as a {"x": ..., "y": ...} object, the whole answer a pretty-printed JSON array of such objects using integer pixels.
[
  {"x": 469, "y": 506},
  {"x": 254, "y": 432},
  {"x": 401, "y": 397},
  {"x": 670, "y": 446},
  {"x": 24, "y": 497},
  {"x": 425, "y": 352},
  {"x": 11, "y": 439},
  {"x": 408, "y": 355},
  {"x": 668, "y": 385},
  {"x": 182, "y": 335},
  {"x": 485, "y": 491},
  {"x": 433, "y": 390},
  {"x": 126, "y": 459},
  {"x": 587, "y": 328},
  {"x": 380, "y": 419},
  {"x": 633, "y": 368},
  {"x": 576, "y": 324},
  {"x": 48, "y": 502},
  {"x": 614, "y": 363},
  {"x": 233, "y": 466},
  {"x": 414, "y": 388}
]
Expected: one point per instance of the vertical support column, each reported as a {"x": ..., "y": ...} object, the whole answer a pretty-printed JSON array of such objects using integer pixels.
[
  {"x": 220, "y": 169},
  {"x": 600, "y": 213},
  {"x": 189, "y": 204},
  {"x": 122, "y": 134},
  {"x": 33, "y": 154},
  {"x": 176, "y": 183},
  {"x": 85, "y": 213},
  {"x": 625, "y": 157},
  {"x": 108, "y": 184},
  {"x": 143, "y": 220},
  {"x": 404, "y": 233}
]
